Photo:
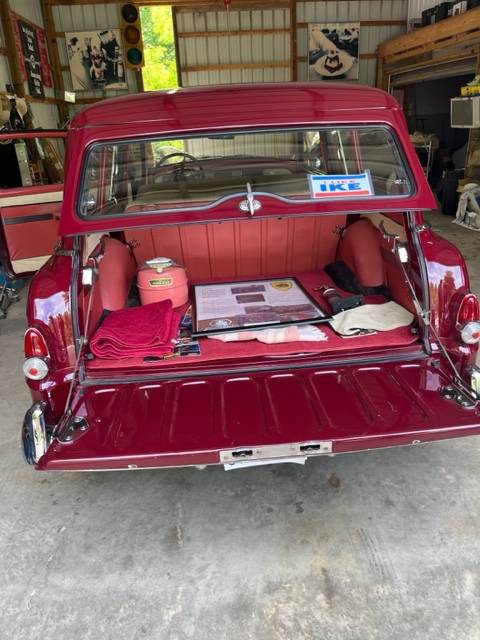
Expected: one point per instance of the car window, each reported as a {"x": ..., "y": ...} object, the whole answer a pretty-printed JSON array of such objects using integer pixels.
[{"x": 166, "y": 174}]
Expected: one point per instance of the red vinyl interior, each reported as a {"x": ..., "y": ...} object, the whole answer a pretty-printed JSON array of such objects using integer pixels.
[
  {"x": 243, "y": 248},
  {"x": 116, "y": 271},
  {"x": 298, "y": 247}
]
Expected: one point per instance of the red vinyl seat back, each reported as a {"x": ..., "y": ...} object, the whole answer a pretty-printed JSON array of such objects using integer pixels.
[
  {"x": 360, "y": 249},
  {"x": 244, "y": 247},
  {"x": 116, "y": 271},
  {"x": 364, "y": 250}
]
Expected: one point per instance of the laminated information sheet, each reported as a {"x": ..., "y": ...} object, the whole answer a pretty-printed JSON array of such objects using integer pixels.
[{"x": 256, "y": 303}]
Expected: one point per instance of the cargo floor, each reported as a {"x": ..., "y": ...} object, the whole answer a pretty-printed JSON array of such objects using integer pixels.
[{"x": 214, "y": 350}]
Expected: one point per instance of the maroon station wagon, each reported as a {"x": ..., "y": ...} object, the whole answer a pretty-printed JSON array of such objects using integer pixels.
[{"x": 282, "y": 183}]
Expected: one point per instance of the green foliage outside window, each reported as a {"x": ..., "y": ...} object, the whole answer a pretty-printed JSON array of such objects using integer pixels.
[{"x": 160, "y": 70}]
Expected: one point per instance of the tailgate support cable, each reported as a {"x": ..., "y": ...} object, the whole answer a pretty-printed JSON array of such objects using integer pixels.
[
  {"x": 463, "y": 389},
  {"x": 65, "y": 423}
]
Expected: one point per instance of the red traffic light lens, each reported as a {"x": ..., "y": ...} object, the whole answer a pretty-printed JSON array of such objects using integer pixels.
[
  {"x": 131, "y": 35},
  {"x": 129, "y": 12},
  {"x": 134, "y": 56}
]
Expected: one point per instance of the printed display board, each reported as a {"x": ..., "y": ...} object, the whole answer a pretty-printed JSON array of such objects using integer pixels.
[
  {"x": 350, "y": 186},
  {"x": 254, "y": 303}
]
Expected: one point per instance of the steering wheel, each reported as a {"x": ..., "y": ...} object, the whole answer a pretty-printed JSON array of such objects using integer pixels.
[{"x": 185, "y": 156}]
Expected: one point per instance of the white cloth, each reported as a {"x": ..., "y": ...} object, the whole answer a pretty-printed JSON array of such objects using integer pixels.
[
  {"x": 275, "y": 335},
  {"x": 373, "y": 317},
  {"x": 468, "y": 210}
]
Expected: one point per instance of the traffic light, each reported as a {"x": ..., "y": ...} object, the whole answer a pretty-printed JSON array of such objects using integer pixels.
[{"x": 132, "y": 36}]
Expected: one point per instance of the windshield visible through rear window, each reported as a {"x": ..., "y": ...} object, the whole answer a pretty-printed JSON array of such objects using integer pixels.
[{"x": 155, "y": 175}]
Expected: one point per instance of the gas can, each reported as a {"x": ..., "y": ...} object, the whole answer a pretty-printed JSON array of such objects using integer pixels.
[{"x": 162, "y": 279}]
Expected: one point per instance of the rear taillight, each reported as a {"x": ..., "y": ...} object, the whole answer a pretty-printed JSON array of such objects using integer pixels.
[
  {"x": 35, "y": 368},
  {"x": 35, "y": 345},
  {"x": 37, "y": 355},
  {"x": 468, "y": 319},
  {"x": 469, "y": 310}
]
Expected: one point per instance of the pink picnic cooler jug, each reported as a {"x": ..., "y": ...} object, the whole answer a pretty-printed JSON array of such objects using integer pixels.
[{"x": 162, "y": 279}]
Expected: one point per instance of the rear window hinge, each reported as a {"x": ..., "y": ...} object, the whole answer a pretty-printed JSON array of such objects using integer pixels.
[
  {"x": 425, "y": 226},
  {"x": 69, "y": 253}
]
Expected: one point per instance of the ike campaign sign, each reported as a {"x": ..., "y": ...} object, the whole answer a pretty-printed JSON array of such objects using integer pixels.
[{"x": 347, "y": 186}]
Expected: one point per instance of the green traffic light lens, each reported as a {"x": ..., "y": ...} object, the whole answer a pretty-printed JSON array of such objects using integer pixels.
[{"x": 134, "y": 56}]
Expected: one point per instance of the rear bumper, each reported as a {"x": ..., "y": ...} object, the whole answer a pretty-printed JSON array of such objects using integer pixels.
[
  {"x": 197, "y": 422},
  {"x": 35, "y": 438},
  {"x": 209, "y": 458}
]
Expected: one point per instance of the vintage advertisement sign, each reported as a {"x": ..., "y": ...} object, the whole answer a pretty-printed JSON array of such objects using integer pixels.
[
  {"x": 30, "y": 41},
  {"x": 333, "y": 51},
  {"x": 42, "y": 47},
  {"x": 18, "y": 45},
  {"x": 349, "y": 186},
  {"x": 31, "y": 57}
]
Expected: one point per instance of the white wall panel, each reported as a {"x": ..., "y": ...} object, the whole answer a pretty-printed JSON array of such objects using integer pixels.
[
  {"x": 30, "y": 9},
  {"x": 343, "y": 11},
  {"x": 45, "y": 115},
  {"x": 254, "y": 48},
  {"x": 235, "y": 49}
]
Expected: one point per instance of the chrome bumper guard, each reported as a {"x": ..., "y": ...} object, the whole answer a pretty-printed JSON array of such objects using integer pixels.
[{"x": 35, "y": 435}]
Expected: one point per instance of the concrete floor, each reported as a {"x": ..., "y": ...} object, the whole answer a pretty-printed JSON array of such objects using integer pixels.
[{"x": 380, "y": 545}]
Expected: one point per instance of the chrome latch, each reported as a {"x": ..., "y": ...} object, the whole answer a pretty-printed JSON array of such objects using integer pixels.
[
  {"x": 75, "y": 425},
  {"x": 459, "y": 395},
  {"x": 250, "y": 205}
]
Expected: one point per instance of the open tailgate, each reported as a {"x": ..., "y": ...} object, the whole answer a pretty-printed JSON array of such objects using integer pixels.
[{"x": 226, "y": 418}]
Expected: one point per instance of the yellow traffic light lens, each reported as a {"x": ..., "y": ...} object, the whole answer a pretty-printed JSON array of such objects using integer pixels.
[
  {"x": 134, "y": 56},
  {"x": 131, "y": 35},
  {"x": 129, "y": 12}
]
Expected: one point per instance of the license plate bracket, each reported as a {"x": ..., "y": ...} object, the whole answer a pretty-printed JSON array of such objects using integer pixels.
[{"x": 276, "y": 452}]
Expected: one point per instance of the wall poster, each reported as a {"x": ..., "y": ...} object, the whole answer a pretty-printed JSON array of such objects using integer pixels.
[
  {"x": 333, "y": 51},
  {"x": 96, "y": 60}
]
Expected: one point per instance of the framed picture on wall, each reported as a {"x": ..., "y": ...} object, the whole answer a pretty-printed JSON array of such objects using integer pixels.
[
  {"x": 333, "y": 51},
  {"x": 96, "y": 60}
]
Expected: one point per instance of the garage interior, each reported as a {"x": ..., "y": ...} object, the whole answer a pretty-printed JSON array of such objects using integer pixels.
[{"x": 381, "y": 544}]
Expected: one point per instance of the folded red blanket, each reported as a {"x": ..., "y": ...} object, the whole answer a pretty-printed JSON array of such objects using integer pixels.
[{"x": 149, "y": 330}]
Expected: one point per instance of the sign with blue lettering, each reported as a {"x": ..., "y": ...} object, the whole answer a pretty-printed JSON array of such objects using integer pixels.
[{"x": 349, "y": 186}]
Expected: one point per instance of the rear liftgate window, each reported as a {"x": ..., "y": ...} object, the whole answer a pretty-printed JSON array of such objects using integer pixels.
[{"x": 161, "y": 174}]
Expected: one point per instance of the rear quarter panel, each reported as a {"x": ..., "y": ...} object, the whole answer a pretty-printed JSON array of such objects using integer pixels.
[
  {"x": 448, "y": 282},
  {"x": 49, "y": 310}
]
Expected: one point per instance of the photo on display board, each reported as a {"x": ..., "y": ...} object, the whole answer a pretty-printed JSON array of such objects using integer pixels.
[
  {"x": 96, "y": 60},
  {"x": 333, "y": 51}
]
